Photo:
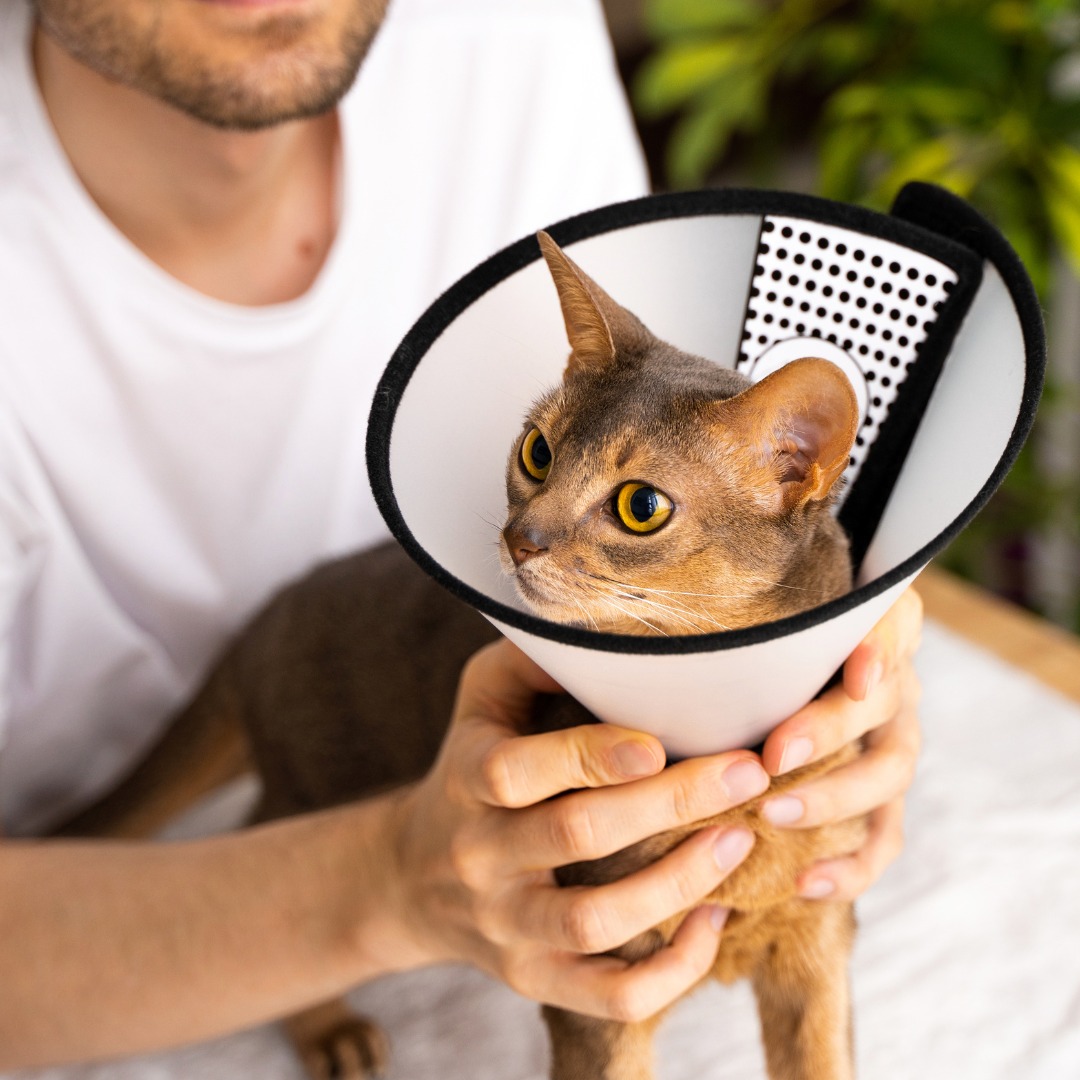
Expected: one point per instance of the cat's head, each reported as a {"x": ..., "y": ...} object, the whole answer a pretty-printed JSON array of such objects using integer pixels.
[{"x": 655, "y": 492}]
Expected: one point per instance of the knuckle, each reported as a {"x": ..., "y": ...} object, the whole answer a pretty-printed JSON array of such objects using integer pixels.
[
  {"x": 585, "y": 767},
  {"x": 497, "y": 777},
  {"x": 686, "y": 887},
  {"x": 628, "y": 1004},
  {"x": 585, "y": 924},
  {"x": 684, "y": 802},
  {"x": 467, "y": 861},
  {"x": 574, "y": 829},
  {"x": 468, "y": 671},
  {"x": 486, "y": 919}
]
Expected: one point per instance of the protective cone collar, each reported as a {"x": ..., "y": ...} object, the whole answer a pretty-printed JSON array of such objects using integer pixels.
[{"x": 927, "y": 309}]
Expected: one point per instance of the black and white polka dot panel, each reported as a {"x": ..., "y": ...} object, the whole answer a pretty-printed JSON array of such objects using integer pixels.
[{"x": 864, "y": 302}]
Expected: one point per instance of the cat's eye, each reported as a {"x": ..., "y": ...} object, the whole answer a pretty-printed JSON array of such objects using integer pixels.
[
  {"x": 642, "y": 508},
  {"x": 536, "y": 455}
]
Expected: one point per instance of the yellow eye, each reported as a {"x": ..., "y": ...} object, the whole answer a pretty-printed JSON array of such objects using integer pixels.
[
  {"x": 642, "y": 508},
  {"x": 536, "y": 455}
]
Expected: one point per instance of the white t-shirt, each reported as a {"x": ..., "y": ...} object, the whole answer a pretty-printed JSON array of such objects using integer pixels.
[{"x": 166, "y": 459}]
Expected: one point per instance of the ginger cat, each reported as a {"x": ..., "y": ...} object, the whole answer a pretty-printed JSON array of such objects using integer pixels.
[{"x": 651, "y": 492}]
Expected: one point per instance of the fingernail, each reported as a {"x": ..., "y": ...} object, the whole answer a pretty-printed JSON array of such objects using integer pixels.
[
  {"x": 785, "y": 810},
  {"x": 874, "y": 678},
  {"x": 744, "y": 780},
  {"x": 817, "y": 889},
  {"x": 797, "y": 751},
  {"x": 718, "y": 916},
  {"x": 732, "y": 847},
  {"x": 633, "y": 758}
]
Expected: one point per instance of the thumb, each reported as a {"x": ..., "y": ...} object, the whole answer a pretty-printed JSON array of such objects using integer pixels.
[{"x": 498, "y": 686}]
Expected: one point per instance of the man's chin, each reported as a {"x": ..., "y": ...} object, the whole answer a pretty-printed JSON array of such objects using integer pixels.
[
  {"x": 261, "y": 109},
  {"x": 239, "y": 65}
]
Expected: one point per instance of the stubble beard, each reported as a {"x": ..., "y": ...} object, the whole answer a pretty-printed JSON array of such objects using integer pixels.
[{"x": 294, "y": 74}]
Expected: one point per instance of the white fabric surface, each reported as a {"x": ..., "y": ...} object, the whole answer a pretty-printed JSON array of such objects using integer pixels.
[
  {"x": 967, "y": 965},
  {"x": 166, "y": 459}
]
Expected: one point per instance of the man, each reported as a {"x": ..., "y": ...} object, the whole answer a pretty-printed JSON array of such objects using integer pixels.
[{"x": 205, "y": 257}]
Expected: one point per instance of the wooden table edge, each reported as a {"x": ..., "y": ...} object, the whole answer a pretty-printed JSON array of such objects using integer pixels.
[{"x": 1022, "y": 639}]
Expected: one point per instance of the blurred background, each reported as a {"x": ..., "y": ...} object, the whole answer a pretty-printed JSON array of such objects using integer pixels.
[{"x": 850, "y": 99}]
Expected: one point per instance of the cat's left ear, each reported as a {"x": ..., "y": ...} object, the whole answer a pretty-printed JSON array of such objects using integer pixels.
[
  {"x": 799, "y": 423},
  {"x": 599, "y": 329}
]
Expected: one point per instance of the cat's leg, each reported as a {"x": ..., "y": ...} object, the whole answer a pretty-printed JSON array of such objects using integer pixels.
[
  {"x": 335, "y": 1044},
  {"x": 803, "y": 995},
  {"x": 585, "y": 1048}
]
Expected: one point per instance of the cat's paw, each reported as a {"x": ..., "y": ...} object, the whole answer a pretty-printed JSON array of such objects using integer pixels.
[{"x": 335, "y": 1044}]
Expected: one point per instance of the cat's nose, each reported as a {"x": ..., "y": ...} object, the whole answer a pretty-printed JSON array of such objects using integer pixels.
[{"x": 523, "y": 544}]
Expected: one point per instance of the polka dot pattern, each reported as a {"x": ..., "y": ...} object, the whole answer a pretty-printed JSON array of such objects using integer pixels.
[{"x": 872, "y": 298}]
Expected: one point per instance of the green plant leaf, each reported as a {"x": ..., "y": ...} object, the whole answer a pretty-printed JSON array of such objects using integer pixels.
[
  {"x": 855, "y": 102},
  {"x": 1063, "y": 162},
  {"x": 701, "y": 137},
  {"x": 937, "y": 161},
  {"x": 675, "y": 75},
  {"x": 946, "y": 105},
  {"x": 674, "y": 18},
  {"x": 964, "y": 48},
  {"x": 698, "y": 143},
  {"x": 842, "y": 158},
  {"x": 837, "y": 50}
]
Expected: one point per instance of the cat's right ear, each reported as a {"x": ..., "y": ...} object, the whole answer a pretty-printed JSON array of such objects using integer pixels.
[{"x": 598, "y": 328}]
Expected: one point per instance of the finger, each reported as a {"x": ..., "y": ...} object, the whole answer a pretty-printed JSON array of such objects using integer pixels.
[
  {"x": 591, "y": 824},
  {"x": 893, "y": 639},
  {"x": 615, "y": 989},
  {"x": 836, "y": 718},
  {"x": 828, "y": 723},
  {"x": 883, "y": 771},
  {"x": 594, "y": 919},
  {"x": 849, "y": 877},
  {"x": 498, "y": 685},
  {"x": 525, "y": 770}
]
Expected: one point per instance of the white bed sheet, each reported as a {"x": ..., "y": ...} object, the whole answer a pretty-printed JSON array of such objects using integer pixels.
[{"x": 967, "y": 963}]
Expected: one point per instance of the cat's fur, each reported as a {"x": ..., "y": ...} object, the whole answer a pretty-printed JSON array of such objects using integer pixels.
[{"x": 335, "y": 710}]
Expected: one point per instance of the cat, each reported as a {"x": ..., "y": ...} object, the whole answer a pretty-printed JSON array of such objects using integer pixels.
[{"x": 651, "y": 492}]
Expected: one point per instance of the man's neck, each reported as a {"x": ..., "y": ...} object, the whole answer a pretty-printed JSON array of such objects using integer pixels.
[{"x": 246, "y": 217}]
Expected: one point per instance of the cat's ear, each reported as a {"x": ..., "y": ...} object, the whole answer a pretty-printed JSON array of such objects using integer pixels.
[
  {"x": 599, "y": 330},
  {"x": 799, "y": 423}
]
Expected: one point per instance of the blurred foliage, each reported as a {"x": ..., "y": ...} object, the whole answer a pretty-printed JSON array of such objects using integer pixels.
[{"x": 979, "y": 96}]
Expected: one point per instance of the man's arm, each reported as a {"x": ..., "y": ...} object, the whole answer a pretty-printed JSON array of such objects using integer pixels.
[{"x": 110, "y": 948}]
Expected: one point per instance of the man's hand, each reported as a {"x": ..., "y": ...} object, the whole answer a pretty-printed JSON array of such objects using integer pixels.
[
  {"x": 478, "y": 840},
  {"x": 878, "y": 699}
]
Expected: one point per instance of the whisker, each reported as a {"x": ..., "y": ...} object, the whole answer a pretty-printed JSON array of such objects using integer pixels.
[
  {"x": 610, "y": 601},
  {"x": 692, "y": 618},
  {"x": 704, "y": 596},
  {"x": 696, "y": 620},
  {"x": 678, "y": 613},
  {"x": 487, "y": 521},
  {"x": 668, "y": 592}
]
